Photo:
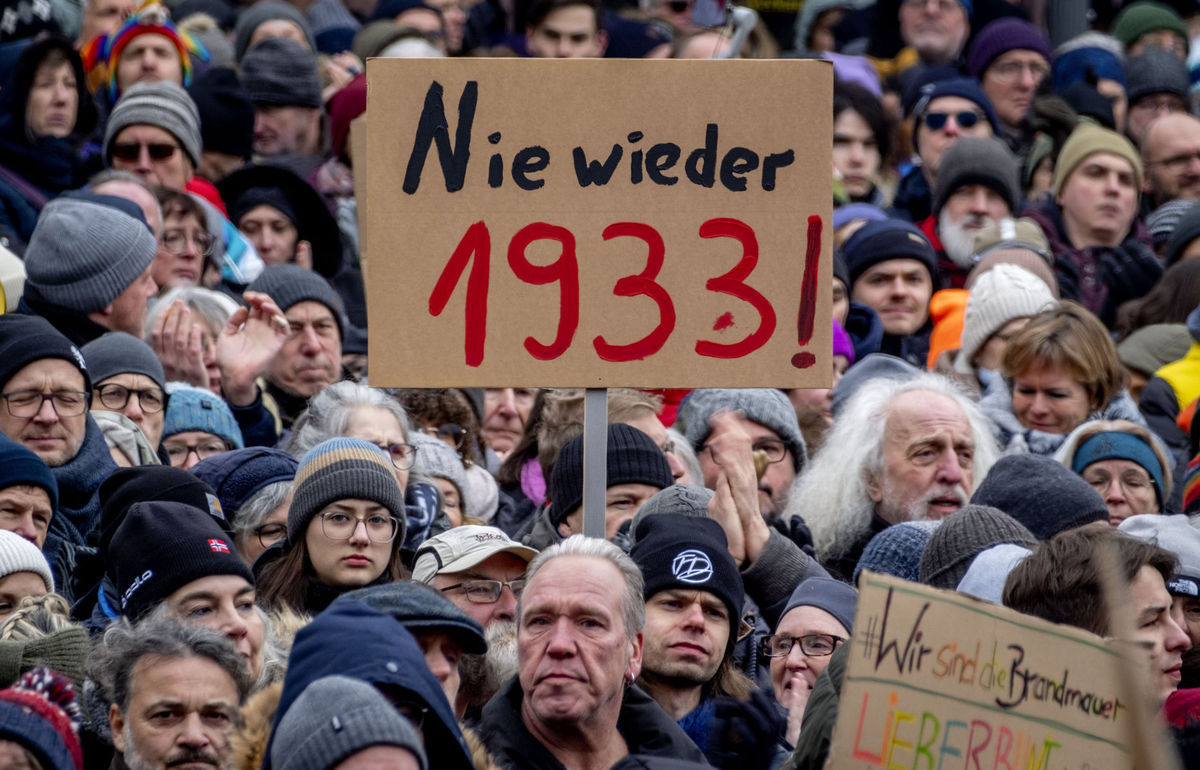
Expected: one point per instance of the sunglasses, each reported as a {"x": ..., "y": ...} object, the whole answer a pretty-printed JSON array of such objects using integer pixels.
[
  {"x": 133, "y": 150},
  {"x": 936, "y": 121}
]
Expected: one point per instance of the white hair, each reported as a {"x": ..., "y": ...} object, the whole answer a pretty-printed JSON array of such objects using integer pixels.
[
  {"x": 832, "y": 494},
  {"x": 633, "y": 603}
]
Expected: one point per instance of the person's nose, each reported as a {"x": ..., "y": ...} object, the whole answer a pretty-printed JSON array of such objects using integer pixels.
[
  {"x": 310, "y": 344},
  {"x": 232, "y": 623},
  {"x": 508, "y": 403},
  {"x": 1177, "y": 639},
  {"x": 1114, "y": 493},
  {"x": 796, "y": 659},
  {"x": 360, "y": 539},
  {"x": 191, "y": 732},
  {"x": 506, "y": 606},
  {"x": 144, "y": 161},
  {"x": 693, "y": 617},
  {"x": 561, "y": 643},
  {"x": 979, "y": 202},
  {"x": 952, "y": 128},
  {"x": 676, "y": 465},
  {"x": 438, "y": 665},
  {"x": 26, "y": 528},
  {"x": 46, "y": 412},
  {"x": 899, "y": 288}
]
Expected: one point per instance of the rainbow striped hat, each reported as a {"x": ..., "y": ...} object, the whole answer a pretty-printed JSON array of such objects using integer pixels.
[{"x": 150, "y": 17}]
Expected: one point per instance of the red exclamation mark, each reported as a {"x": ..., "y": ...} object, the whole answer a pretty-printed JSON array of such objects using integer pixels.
[{"x": 808, "y": 294}]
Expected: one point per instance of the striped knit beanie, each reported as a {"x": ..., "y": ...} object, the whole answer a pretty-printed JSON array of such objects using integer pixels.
[
  {"x": 343, "y": 469},
  {"x": 1191, "y": 487},
  {"x": 151, "y": 17}
]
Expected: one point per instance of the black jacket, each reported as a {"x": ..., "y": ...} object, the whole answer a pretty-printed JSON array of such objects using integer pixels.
[{"x": 646, "y": 728}]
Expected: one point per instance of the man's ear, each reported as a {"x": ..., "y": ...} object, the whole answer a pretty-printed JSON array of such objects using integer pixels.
[
  {"x": 602, "y": 41},
  {"x": 116, "y": 722},
  {"x": 874, "y": 485},
  {"x": 635, "y": 658}
]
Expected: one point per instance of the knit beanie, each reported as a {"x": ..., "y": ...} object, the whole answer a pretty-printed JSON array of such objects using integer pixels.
[
  {"x": 422, "y": 609},
  {"x": 160, "y": 547},
  {"x": 149, "y": 18},
  {"x": 877, "y": 242},
  {"x": 1001, "y": 36},
  {"x": 833, "y": 596},
  {"x": 40, "y": 714},
  {"x": 281, "y": 71},
  {"x": 1152, "y": 347},
  {"x": 946, "y": 310},
  {"x": 336, "y": 717},
  {"x": 853, "y": 212},
  {"x": 633, "y": 458},
  {"x": 674, "y": 551},
  {"x": 1143, "y": 17},
  {"x": 65, "y": 651},
  {"x": 266, "y": 10},
  {"x": 1175, "y": 534},
  {"x": 19, "y": 555},
  {"x": 84, "y": 252},
  {"x": 1002, "y": 294},
  {"x": 766, "y": 406},
  {"x": 1187, "y": 229},
  {"x": 1163, "y": 220},
  {"x": 121, "y": 353},
  {"x": 965, "y": 88},
  {"x": 343, "y": 469},
  {"x": 962, "y": 536},
  {"x": 1156, "y": 71},
  {"x": 199, "y": 409},
  {"x": 289, "y": 285},
  {"x": 988, "y": 573},
  {"x": 162, "y": 483},
  {"x": 1120, "y": 445},
  {"x": 897, "y": 550},
  {"x": 19, "y": 466},
  {"x": 1191, "y": 487},
  {"x": 226, "y": 113},
  {"x": 872, "y": 367},
  {"x": 842, "y": 344},
  {"x": 1008, "y": 233},
  {"x": 162, "y": 104},
  {"x": 1072, "y": 67},
  {"x": 1089, "y": 139},
  {"x": 1042, "y": 494},
  {"x": 680, "y": 499},
  {"x": 239, "y": 475},
  {"x": 435, "y": 459},
  {"x": 978, "y": 160}
]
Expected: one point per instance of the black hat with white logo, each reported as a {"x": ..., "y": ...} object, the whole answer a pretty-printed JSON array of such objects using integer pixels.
[{"x": 689, "y": 553}]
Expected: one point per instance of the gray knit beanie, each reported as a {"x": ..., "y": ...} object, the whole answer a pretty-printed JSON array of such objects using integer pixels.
[
  {"x": 122, "y": 353},
  {"x": 978, "y": 160},
  {"x": 266, "y": 10},
  {"x": 1041, "y": 493},
  {"x": 292, "y": 284},
  {"x": 84, "y": 253},
  {"x": 163, "y": 104},
  {"x": 682, "y": 499},
  {"x": 1156, "y": 71},
  {"x": 281, "y": 71},
  {"x": 343, "y": 469},
  {"x": 765, "y": 406},
  {"x": 897, "y": 550},
  {"x": 964, "y": 535},
  {"x": 434, "y": 458},
  {"x": 334, "y": 718}
]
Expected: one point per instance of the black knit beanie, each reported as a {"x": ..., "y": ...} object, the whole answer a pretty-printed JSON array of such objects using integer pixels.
[
  {"x": 1040, "y": 493},
  {"x": 161, "y": 483},
  {"x": 28, "y": 338},
  {"x": 633, "y": 458},
  {"x": 689, "y": 553},
  {"x": 962, "y": 536},
  {"x": 161, "y": 547}
]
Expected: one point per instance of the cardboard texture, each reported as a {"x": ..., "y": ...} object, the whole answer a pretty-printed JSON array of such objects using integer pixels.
[
  {"x": 940, "y": 680},
  {"x": 358, "y": 148},
  {"x": 721, "y": 165}
]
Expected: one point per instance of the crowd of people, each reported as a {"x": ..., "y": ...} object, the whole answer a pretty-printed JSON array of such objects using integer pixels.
[{"x": 221, "y": 547}]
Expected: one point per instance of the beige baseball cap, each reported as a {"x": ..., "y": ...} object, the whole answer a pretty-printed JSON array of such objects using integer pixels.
[{"x": 463, "y": 547}]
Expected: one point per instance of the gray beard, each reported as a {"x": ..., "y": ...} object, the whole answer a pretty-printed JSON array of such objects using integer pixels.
[
  {"x": 483, "y": 675},
  {"x": 958, "y": 241},
  {"x": 135, "y": 761}
]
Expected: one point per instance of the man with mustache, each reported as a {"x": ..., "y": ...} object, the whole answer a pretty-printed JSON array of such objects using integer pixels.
[
  {"x": 579, "y": 646},
  {"x": 483, "y": 572},
  {"x": 979, "y": 185},
  {"x": 900, "y": 450},
  {"x": 173, "y": 694}
]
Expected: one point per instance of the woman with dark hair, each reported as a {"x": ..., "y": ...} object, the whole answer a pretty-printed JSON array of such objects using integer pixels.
[
  {"x": 46, "y": 113},
  {"x": 861, "y": 142},
  {"x": 1171, "y": 300},
  {"x": 345, "y": 527}
]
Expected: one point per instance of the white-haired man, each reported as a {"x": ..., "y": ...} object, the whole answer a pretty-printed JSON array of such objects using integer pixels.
[
  {"x": 579, "y": 645},
  {"x": 899, "y": 451}
]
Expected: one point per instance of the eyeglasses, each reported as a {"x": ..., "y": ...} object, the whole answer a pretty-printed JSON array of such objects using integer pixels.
[
  {"x": 27, "y": 403},
  {"x": 486, "y": 591},
  {"x": 402, "y": 455},
  {"x": 773, "y": 448},
  {"x": 1162, "y": 103},
  {"x": 270, "y": 534},
  {"x": 133, "y": 150},
  {"x": 176, "y": 241},
  {"x": 178, "y": 453},
  {"x": 1130, "y": 481},
  {"x": 936, "y": 121},
  {"x": 1011, "y": 70},
  {"x": 116, "y": 397},
  {"x": 812, "y": 645},
  {"x": 412, "y": 711},
  {"x": 341, "y": 526},
  {"x": 1177, "y": 162}
]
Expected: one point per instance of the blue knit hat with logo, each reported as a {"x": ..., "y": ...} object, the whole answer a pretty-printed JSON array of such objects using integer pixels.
[{"x": 198, "y": 409}]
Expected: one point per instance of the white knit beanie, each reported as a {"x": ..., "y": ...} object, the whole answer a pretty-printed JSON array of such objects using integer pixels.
[
  {"x": 1002, "y": 294},
  {"x": 19, "y": 555}
]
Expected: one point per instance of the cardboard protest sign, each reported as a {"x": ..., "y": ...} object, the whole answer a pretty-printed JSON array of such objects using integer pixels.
[
  {"x": 597, "y": 223},
  {"x": 936, "y": 679}
]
